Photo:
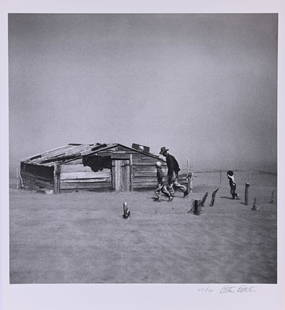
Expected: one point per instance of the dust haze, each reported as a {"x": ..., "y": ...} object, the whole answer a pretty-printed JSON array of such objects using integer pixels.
[{"x": 203, "y": 85}]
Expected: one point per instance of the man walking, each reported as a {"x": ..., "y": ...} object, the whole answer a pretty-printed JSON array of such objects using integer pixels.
[{"x": 172, "y": 173}]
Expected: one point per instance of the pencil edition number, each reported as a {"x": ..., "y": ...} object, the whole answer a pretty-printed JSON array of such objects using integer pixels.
[{"x": 205, "y": 290}]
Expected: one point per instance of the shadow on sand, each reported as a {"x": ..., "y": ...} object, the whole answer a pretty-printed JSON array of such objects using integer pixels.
[{"x": 227, "y": 197}]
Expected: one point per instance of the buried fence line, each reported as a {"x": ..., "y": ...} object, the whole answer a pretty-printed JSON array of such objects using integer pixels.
[{"x": 218, "y": 177}]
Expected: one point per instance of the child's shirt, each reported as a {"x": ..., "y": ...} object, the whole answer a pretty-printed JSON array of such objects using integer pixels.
[
  {"x": 231, "y": 179},
  {"x": 159, "y": 175}
]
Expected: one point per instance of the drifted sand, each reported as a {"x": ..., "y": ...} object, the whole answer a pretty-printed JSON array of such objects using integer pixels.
[{"x": 82, "y": 238}]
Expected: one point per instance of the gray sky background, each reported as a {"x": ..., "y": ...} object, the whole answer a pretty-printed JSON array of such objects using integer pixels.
[{"x": 203, "y": 85}]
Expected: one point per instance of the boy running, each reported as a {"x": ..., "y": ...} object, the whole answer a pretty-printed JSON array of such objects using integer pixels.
[{"x": 161, "y": 187}]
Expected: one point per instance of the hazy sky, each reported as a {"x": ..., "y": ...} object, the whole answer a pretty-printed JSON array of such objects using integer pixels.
[{"x": 203, "y": 85}]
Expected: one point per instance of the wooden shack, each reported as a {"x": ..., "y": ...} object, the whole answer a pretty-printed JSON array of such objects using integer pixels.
[{"x": 94, "y": 167}]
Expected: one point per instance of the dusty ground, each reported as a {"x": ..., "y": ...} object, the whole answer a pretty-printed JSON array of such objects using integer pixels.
[{"x": 82, "y": 238}]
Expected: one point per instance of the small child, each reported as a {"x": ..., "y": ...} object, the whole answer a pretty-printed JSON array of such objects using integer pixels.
[
  {"x": 233, "y": 185},
  {"x": 161, "y": 187}
]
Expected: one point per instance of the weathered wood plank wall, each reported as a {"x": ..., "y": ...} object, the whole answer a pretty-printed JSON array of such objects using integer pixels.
[
  {"x": 36, "y": 177},
  {"x": 131, "y": 170},
  {"x": 144, "y": 171},
  {"x": 75, "y": 176}
]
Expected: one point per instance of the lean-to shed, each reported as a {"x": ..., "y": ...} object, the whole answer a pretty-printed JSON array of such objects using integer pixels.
[{"x": 94, "y": 167}]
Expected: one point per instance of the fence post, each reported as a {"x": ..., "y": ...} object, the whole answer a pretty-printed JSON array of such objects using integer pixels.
[
  {"x": 213, "y": 197},
  {"x": 197, "y": 207},
  {"x": 246, "y": 193},
  {"x": 254, "y": 205},
  {"x": 189, "y": 179},
  {"x": 203, "y": 200}
]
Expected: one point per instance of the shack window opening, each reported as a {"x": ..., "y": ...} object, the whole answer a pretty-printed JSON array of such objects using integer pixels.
[{"x": 97, "y": 163}]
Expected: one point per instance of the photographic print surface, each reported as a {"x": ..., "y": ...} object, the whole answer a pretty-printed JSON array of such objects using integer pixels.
[{"x": 143, "y": 148}]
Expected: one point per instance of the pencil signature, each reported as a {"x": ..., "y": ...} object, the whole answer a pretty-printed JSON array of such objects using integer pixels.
[{"x": 228, "y": 289}]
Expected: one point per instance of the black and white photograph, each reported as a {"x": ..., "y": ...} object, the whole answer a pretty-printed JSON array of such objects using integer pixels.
[
  {"x": 141, "y": 155},
  {"x": 143, "y": 148}
]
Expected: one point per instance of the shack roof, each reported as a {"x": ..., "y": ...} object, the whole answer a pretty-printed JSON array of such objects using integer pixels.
[{"x": 74, "y": 151}]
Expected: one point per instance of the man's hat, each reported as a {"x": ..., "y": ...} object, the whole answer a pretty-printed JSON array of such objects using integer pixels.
[{"x": 163, "y": 150}]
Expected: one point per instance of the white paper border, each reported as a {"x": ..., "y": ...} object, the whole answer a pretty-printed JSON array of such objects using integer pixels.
[{"x": 133, "y": 296}]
